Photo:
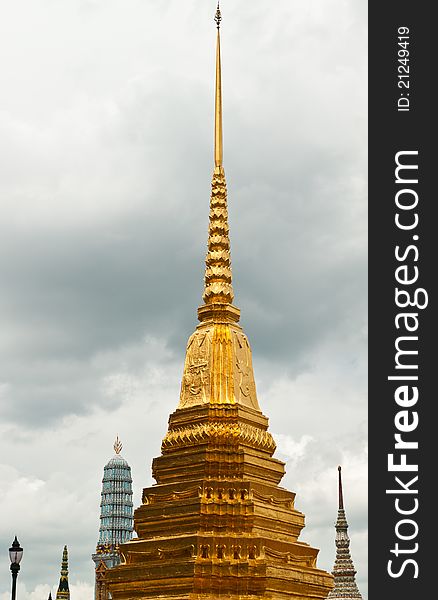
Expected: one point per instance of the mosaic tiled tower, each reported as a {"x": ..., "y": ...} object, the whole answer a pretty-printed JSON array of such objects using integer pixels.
[
  {"x": 116, "y": 520},
  {"x": 343, "y": 571},
  {"x": 217, "y": 524},
  {"x": 63, "y": 592}
]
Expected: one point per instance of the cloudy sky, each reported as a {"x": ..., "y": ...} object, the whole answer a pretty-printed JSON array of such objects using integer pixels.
[{"x": 106, "y": 133}]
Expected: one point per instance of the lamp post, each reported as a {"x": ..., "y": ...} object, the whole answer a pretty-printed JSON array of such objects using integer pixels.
[{"x": 15, "y": 554}]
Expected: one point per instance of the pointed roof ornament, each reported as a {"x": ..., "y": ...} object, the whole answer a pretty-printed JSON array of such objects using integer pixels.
[
  {"x": 118, "y": 445},
  {"x": 50, "y": 596},
  {"x": 345, "y": 587}
]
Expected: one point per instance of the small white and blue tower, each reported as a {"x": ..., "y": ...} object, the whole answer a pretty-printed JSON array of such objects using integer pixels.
[{"x": 116, "y": 518}]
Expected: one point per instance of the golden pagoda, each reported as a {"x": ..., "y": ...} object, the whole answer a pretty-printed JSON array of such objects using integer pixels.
[
  {"x": 217, "y": 524},
  {"x": 63, "y": 592}
]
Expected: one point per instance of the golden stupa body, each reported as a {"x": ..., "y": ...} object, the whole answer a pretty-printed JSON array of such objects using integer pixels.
[{"x": 217, "y": 524}]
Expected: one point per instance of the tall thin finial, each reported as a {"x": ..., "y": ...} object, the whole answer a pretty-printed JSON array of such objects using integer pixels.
[
  {"x": 341, "y": 498},
  {"x": 118, "y": 445},
  {"x": 218, "y": 97}
]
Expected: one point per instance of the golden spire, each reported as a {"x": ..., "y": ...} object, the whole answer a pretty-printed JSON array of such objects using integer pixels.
[
  {"x": 216, "y": 523},
  {"x": 63, "y": 592},
  {"x": 218, "y": 282},
  {"x": 118, "y": 445}
]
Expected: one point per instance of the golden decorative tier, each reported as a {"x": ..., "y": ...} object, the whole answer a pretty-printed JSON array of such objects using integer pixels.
[
  {"x": 218, "y": 286},
  {"x": 217, "y": 524}
]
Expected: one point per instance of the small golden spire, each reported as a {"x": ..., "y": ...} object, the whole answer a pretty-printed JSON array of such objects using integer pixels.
[
  {"x": 118, "y": 445},
  {"x": 63, "y": 592}
]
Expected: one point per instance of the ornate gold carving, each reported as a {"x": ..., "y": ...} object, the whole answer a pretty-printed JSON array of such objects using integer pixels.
[
  {"x": 195, "y": 387},
  {"x": 244, "y": 383},
  {"x": 288, "y": 557},
  {"x": 139, "y": 556},
  {"x": 189, "y": 551},
  {"x": 287, "y": 502},
  {"x": 222, "y": 388},
  {"x": 162, "y": 554},
  {"x": 218, "y": 368},
  {"x": 150, "y": 498},
  {"x": 220, "y": 433},
  {"x": 218, "y": 278},
  {"x": 209, "y": 494}
]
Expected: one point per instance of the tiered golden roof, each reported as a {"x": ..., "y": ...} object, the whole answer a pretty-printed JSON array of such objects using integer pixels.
[{"x": 217, "y": 524}]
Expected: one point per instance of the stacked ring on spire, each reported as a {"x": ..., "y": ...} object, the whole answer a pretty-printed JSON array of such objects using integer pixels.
[{"x": 218, "y": 278}]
